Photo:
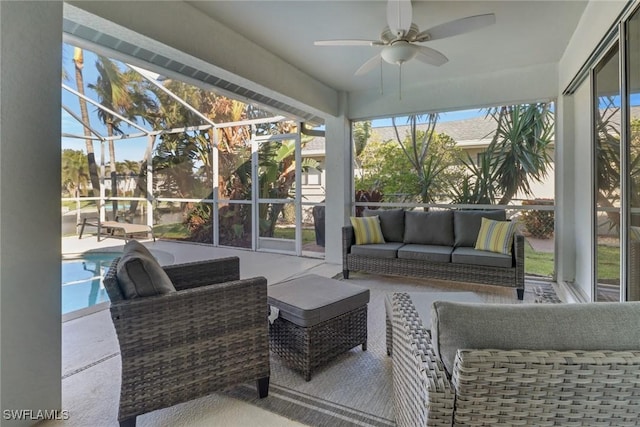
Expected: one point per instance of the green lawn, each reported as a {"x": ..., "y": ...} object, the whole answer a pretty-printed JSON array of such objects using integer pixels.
[
  {"x": 608, "y": 263},
  {"x": 537, "y": 263},
  {"x": 541, "y": 263},
  {"x": 308, "y": 235},
  {"x": 179, "y": 231},
  {"x": 176, "y": 230}
]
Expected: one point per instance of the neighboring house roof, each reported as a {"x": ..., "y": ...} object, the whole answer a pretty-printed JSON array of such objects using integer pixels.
[
  {"x": 473, "y": 129},
  {"x": 315, "y": 146},
  {"x": 468, "y": 133}
]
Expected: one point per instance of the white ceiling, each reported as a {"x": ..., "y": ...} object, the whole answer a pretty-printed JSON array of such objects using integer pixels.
[{"x": 526, "y": 33}]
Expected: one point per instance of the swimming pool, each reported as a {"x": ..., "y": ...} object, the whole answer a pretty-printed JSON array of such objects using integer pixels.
[{"x": 82, "y": 280}]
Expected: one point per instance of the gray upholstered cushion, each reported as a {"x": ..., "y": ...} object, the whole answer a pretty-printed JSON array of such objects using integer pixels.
[
  {"x": 379, "y": 250},
  {"x": 464, "y": 255},
  {"x": 391, "y": 223},
  {"x": 466, "y": 224},
  {"x": 140, "y": 275},
  {"x": 309, "y": 300},
  {"x": 429, "y": 228},
  {"x": 591, "y": 326},
  {"x": 426, "y": 252}
]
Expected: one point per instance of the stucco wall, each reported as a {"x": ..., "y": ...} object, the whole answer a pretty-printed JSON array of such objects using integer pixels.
[{"x": 30, "y": 309}]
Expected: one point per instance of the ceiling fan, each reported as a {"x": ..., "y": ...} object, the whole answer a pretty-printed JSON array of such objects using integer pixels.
[{"x": 401, "y": 37}]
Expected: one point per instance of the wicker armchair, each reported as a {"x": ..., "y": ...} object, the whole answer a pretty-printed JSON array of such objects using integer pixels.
[
  {"x": 511, "y": 387},
  {"x": 209, "y": 335}
]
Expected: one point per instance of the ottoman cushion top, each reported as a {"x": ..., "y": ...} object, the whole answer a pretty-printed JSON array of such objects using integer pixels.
[{"x": 309, "y": 300}]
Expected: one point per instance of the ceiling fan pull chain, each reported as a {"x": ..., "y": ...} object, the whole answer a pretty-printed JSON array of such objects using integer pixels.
[
  {"x": 381, "y": 81},
  {"x": 400, "y": 82}
]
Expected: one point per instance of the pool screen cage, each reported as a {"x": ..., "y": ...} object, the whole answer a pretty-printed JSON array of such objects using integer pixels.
[{"x": 249, "y": 197}]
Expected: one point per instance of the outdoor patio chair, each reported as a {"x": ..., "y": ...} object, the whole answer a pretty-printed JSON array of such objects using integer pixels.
[{"x": 209, "y": 334}]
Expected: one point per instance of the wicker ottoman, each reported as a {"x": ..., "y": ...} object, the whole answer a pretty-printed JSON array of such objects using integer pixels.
[{"x": 317, "y": 319}]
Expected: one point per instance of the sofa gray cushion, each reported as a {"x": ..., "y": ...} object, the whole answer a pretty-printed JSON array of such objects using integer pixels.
[
  {"x": 311, "y": 299},
  {"x": 140, "y": 275},
  {"x": 429, "y": 228},
  {"x": 379, "y": 250},
  {"x": 426, "y": 252},
  {"x": 466, "y": 224},
  {"x": 391, "y": 223},
  {"x": 464, "y": 255},
  {"x": 590, "y": 326}
]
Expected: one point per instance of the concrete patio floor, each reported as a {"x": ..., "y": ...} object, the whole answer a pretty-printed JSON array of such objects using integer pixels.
[{"x": 90, "y": 348}]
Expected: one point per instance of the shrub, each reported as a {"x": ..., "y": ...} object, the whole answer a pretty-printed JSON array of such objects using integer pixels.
[{"x": 539, "y": 224}]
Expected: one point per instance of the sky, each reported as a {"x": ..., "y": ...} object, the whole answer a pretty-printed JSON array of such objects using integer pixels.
[{"x": 131, "y": 149}]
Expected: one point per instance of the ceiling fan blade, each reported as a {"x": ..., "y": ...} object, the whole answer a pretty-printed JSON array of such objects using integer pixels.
[
  {"x": 430, "y": 56},
  {"x": 368, "y": 66},
  {"x": 347, "y": 42},
  {"x": 458, "y": 26},
  {"x": 399, "y": 15}
]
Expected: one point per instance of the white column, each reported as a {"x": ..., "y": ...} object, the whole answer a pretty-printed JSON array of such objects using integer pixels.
[
  {"x": 565, "y": 241},
  {"x": 30, "y": 308},
  {"x": 338, "y": 180}
]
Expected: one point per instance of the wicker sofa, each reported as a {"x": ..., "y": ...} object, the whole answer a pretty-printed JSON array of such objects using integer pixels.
[
  {"x": 514, "y": 364},
  {"x": 185, "y": 330},
  {"x": 438, "y": 245}
]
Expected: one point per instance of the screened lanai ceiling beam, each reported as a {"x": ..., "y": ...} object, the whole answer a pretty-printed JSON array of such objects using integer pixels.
[
  {"x": 102, "y": 107},
  {"x": 153, "y": 80},
  {"x": 86, "y": 126},
  {"x": 158, "y": 132},
  {"x": 147, "y": 75},
  {"x": 71, "y": 135}
]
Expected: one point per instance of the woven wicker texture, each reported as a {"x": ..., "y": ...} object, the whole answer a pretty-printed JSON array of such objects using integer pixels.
[
  {"x": 307, "y": 348},
  {"x": 509, "y": 277},
  {"x": 423, "y": 396},
  {"x": 508, "y": 387},
  {"x": 547, "y": 388},
  {"x": 205, "y": 337}
]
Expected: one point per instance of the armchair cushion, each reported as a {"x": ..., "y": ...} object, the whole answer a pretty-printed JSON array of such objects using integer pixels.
[
  {"x": 588, "y": 326},
  {"x": 139, "y": 273}
]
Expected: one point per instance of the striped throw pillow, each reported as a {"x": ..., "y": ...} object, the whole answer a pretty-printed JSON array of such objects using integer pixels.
[
  {"x": 495, "y": 236},
  {"x": 367, "y": 230}
]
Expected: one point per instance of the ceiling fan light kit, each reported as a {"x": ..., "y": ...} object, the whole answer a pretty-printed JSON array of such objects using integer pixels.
[{"x": 398, "y": 53}]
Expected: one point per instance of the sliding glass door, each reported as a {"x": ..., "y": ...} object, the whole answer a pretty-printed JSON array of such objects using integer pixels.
[
  {"x": 607, "y": 177},
  {"x": 633, "y": 153}
]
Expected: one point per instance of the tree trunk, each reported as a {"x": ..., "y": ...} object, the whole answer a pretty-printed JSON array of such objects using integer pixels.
[
  {"x": 141, "y": 179},
  {"x": 78, "y": 61},
  {"x": 112, "y": 166}
]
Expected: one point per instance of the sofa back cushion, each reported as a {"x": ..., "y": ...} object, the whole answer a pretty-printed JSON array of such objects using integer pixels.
[
  {"x": 391, "y": 222},
  {"x": 589, "y": 326},
  {"x": 466, "y": 224},
  {"x": 140, "y": 275},
  {"x": 429, "y": 228}
]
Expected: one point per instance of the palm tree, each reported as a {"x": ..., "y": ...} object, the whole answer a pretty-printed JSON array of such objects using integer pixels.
[
  {"x": 519, "y": 151},
  {"x": 111, "y": 89},
  {"x": 416, "y": 147},
  {"x": 78, "y": 61}
]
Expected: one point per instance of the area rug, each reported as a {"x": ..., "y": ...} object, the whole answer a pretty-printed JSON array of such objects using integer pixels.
[{"x": 355, "y": 389}]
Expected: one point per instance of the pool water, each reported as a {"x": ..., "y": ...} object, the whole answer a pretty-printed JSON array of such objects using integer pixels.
[{"x": 82, "y": 280}]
